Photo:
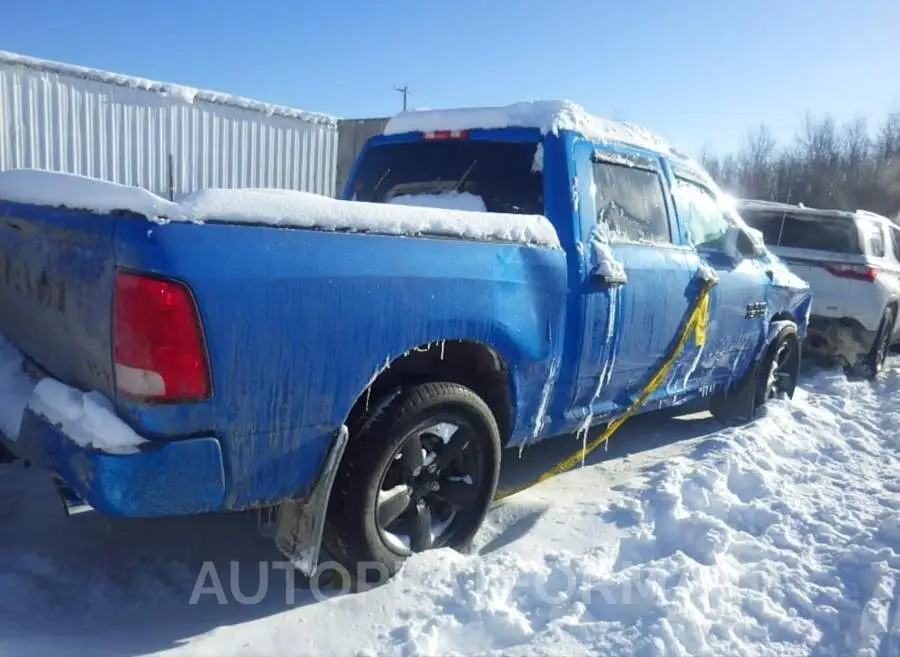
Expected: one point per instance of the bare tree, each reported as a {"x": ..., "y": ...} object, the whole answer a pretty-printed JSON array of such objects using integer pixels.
[{"x": 827, "y": 166}]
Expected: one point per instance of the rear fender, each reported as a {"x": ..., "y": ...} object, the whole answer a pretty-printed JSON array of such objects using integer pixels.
[{"x": 527, "y": 365}]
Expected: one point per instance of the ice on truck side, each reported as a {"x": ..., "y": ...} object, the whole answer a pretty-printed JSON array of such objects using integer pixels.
[{"x": 491, "y": 277}]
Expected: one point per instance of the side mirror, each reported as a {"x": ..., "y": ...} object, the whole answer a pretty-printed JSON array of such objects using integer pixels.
[{"x": 741, "y": 242}]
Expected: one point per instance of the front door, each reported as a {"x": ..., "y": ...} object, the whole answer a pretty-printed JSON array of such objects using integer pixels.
[
  {"x": 629, "y": 327},
  {"x": 738, "y": 316}
]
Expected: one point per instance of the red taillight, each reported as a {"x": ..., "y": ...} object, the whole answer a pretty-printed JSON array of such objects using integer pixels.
[
  {"x": 856, "y": 272},
  {"x": 157, "y": 340},
  {"x": 444, "y": 135}
]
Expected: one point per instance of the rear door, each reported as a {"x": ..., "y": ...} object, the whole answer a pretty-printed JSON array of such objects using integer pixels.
[
  {"x": 56, "y": 280},
  {"x": 629, "y": 328}
]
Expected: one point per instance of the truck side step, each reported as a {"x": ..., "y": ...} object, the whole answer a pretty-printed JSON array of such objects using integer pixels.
[{"x": 72, "y": 503}]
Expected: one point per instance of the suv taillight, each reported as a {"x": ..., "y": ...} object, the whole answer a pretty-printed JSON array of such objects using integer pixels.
[
  {"x": 856, "y": 272},
  {"x": 158, "y": 344}
]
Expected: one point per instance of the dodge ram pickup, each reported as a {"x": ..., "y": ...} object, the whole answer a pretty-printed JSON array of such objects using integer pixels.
[{"x": 489, "y": 277}]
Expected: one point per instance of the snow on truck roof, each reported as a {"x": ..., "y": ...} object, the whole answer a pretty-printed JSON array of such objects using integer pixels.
[
  {"x": 167, "y": 89},
  {"x": 273, "y": 207},
  {"x": 548, "y": 116}
]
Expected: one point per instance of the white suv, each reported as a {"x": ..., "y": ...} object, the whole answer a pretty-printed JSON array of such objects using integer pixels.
[{"x": 851, "y": 261}]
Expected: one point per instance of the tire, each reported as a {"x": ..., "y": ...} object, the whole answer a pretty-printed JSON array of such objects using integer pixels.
[
  {"x": 436, "y": 495},
  {"x": 873, "y": 362},
  {"x": 741, "y": 403},
  {"x": 778, "y": 370}
]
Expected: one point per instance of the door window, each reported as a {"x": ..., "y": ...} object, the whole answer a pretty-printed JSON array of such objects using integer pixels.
[
  {"x": 630, "y": 202},
  {"x": 704, "y": 221},
  {"x": 895, "y": 242},
  {"x": 873, "y": 236}
]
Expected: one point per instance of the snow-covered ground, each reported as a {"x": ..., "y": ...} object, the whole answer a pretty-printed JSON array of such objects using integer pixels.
[{"x": 781, "y": 537}]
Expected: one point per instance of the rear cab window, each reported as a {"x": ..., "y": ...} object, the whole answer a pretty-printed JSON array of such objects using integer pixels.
[{"x": 456, "y": 173}]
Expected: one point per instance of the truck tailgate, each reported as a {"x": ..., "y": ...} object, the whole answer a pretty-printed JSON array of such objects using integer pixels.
[{"x": 56, "y": 282}]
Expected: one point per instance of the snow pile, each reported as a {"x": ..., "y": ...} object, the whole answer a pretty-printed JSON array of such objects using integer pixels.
[
  {"x": 445, "y": 201},
  {"x": 548, "y": 116},
  {"x": 275, "y": 207},
  {"x": 779, "y": 537},
  {"x": 89, "y": 419},
  {"x": 178, "y": 92}
]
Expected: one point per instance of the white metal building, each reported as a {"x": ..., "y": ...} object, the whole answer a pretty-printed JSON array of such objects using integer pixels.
[{"x": 167, "y": 138}]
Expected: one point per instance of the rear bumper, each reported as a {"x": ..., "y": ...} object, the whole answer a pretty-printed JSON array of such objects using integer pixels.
[
  {"x": 839, "y": 337},
  {"x": 174, "y": 478}
]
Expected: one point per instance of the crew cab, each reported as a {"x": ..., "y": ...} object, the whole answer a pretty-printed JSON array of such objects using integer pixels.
[{"x": 491, "y": 277}]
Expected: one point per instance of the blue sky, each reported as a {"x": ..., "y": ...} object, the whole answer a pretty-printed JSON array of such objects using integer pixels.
[{"x": 696, "y": 71}]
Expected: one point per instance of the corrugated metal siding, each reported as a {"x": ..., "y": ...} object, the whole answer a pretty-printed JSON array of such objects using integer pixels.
[
  {"x": 127, "y": 134},
  {"x": 353, "y": 136}
]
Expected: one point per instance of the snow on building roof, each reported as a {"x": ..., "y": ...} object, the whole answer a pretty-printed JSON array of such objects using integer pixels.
[
  {"x": 274, "y": 207},
  {"x": 177, "y": 91},
  {"x": 549, "y": 116}
]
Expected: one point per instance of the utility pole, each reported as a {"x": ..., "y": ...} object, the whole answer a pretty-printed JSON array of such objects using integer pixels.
[{"x": 405, "y": 91}]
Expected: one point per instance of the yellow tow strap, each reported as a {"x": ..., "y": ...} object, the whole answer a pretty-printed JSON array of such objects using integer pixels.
[{"x": 695, "y": 325}]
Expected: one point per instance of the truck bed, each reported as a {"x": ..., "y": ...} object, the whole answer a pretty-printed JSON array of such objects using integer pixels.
[{"x": 296, "y": 322}]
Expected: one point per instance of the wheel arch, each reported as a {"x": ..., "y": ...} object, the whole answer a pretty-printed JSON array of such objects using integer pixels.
[
  {"x": 472, "y": 363},
  {"x": 779, "y": 321}
]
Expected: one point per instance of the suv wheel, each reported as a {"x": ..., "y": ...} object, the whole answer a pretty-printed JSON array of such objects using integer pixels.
[
  {"x": 873, "y": 362},
  {"x": 420, "y": 474}
]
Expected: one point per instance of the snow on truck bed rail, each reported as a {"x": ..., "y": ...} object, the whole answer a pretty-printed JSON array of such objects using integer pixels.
[{"x": 275, "y": 207}]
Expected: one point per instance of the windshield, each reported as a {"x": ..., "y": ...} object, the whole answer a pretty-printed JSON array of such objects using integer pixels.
[{"x": 461, "y": 174}]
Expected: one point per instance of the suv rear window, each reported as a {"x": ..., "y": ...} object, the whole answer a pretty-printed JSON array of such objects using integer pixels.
[
  {"x": 805, "y": 231},
  {"x": 463, "y": 173}
]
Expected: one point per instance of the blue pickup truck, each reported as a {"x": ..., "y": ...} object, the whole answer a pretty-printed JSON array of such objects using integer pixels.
[{"x": 491, "y": 277}]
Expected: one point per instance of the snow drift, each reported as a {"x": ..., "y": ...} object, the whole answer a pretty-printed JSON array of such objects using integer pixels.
[{"x": 779, "y": 537}]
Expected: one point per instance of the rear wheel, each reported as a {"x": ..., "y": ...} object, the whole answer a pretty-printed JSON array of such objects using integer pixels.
[{"x": 419, "y": 474}]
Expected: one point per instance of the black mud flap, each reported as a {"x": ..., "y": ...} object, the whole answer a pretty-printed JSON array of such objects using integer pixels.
[
  {"x": 298, "y": 533},
  {"x": 738, "y": 404}
]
